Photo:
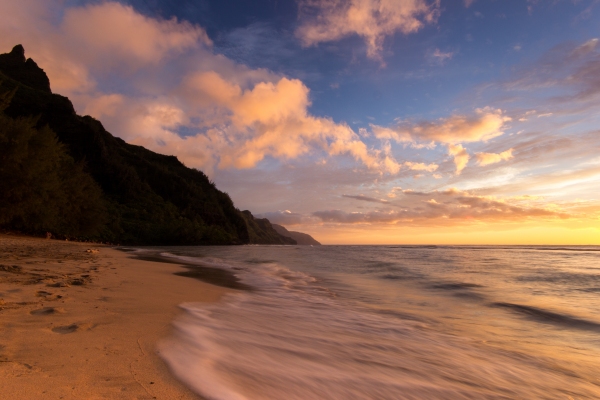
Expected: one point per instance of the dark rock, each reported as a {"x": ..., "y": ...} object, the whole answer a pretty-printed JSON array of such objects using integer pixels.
[
  {"x": 66, "y": 329},
  {"x": 25, "y": 71},
  {"x": 13, "y": 269},
  {"x": 58, "y": 284},
  {"x": 261, "y": 231},
  {"x": 299, "y": 237}
]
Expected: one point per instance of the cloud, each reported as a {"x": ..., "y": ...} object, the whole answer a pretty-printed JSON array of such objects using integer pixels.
[
  {"x": 366, "y": 198},
  {"x": 268, "y": 119},
  {"x": 372, "y": 20},
  {"x": 72, "y": 44},
  {"x": 585, "y": 48},
  {"x": 441, "y": 57},
  {"x": 484, "y": 159},
  {"x": 158, "y": 83},
  {"x": 469, "y": 3},
  {"x": 448, "y": 207},
  {"x": 572, "y": 69},
  {"x": 258, "y": 43},
  {"x": 130, "y": 38},
  {"x": 461, "y": 157},
  {"x": 373, "y": 217},
  {"x": 285, "y": 218},
  {"x": 392, "y": 193},
  {"x": 487, "y": 123},
  {"x": 420, "y": 166}
]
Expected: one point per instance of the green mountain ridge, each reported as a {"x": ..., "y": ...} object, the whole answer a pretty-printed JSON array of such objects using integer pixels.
[{"x": 135, "y": 196}]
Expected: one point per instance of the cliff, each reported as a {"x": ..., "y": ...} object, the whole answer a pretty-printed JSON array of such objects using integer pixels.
[
  {"x": 299, "y": 237},
  {"x": 145, "y": 198}
]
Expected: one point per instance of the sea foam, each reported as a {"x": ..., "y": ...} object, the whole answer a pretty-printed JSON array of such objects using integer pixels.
[{"x": 295, "y": 337}]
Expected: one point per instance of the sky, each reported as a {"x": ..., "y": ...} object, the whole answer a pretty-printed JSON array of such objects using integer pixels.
[{"x": 356, "y": 121}]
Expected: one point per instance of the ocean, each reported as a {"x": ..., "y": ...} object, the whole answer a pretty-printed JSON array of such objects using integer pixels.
[{"x": 391, "y": 322}]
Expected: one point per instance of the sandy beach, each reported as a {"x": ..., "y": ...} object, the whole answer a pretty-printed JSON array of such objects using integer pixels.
[{"x": 79, "y": 324}]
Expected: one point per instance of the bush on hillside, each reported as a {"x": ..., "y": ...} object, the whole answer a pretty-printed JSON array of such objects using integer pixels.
[{"x": 42, "y": 189}]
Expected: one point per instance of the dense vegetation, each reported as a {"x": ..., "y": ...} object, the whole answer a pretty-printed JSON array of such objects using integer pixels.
[
  {"x": 41, "y": 186},
  {"x": 65, "y": 174}
]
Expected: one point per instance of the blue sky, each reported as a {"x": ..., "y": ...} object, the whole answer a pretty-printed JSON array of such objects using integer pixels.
[
  {"x": 355, "y": 120},
  {"x": 485, "y": 42}
]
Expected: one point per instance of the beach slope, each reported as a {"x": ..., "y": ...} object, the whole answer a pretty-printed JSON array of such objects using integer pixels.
[{"x": 81, "y": 324}]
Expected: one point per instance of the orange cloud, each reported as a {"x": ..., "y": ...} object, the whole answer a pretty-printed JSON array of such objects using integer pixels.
[
  {"x": 492, "y": 158},
  {"x": 234, "y": 117},
  {"x": 272, "y": 119},
  {"x": 421, "y": 166},
  {"x": 131, "y": 38},
  {"x": 29, "y": 22},
  {"x": 244, "y": 127},
  {"x": 487, "y": 123},
  {"x": 99, "y": 36},
  {"x": 450, "y": 207},
  {"x": 373, "y": 20},
  {"x": 104, "y": 105},
  {"x": 461, "y": 157}
]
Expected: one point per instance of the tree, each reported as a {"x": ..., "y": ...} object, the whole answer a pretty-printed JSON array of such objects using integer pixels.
[{"x": 41, "y": 187}]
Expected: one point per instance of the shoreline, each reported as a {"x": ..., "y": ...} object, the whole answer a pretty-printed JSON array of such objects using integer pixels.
[{"x": 79, "y": 324}]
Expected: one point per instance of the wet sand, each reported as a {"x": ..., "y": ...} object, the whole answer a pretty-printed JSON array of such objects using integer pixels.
[{"x": 85, "y": 325}]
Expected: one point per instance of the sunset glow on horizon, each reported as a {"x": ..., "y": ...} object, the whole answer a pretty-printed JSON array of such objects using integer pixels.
[{"x": 358, "y": 121}]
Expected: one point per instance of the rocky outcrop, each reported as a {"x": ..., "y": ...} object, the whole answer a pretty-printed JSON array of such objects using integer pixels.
[
  {"x": 15, "y": 66},
  {"x": 299, "y": 237},
  {"x": 261, "y": 231}
]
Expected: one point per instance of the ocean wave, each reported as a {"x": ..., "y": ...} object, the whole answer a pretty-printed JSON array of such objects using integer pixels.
[
  {"x": 550, "y": 317},
  {"x": 254, "y": 346},
  {"x": 456, "y": 286},
  {"x": 325, "y": 325}
]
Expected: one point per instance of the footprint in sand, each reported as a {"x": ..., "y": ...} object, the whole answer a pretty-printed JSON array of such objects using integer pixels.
[
  {"x": 47, "y": 311},
  {"x": 58, "y": 284},
  {"x": 73, "y": 328},
  {"x": 66, "y": 329},
  {"x": 47, "y": 296},
  {"x": 13, "y": 269}
]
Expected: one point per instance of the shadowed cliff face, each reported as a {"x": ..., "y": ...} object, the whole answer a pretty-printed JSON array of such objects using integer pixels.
[
  {"x": 261, "y": 231},
  {"x": 150, "y": 198},
  {"x": 299, "y": 237},
  {"x": 15, "y": 66}
]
